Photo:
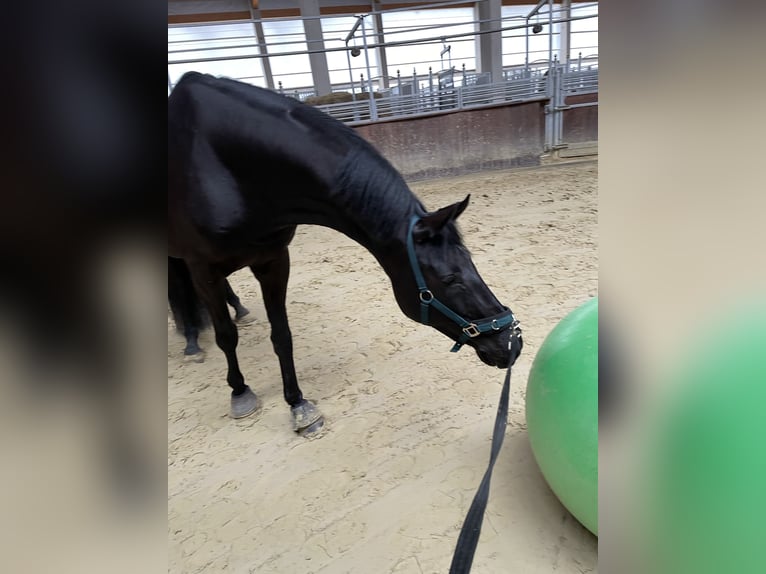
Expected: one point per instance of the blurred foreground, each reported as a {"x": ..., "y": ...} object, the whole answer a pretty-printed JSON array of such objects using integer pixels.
[
  {"x": 682, "y": 284},
  {"x": 82, "y": 281}
]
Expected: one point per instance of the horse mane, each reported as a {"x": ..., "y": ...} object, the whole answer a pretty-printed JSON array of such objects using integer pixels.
[{"x": 372, "y": 190}]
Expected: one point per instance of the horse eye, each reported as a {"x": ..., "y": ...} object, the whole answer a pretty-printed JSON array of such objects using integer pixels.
[{"x": 448, "y": 279}]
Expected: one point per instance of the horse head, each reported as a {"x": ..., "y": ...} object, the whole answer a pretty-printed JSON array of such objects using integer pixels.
[{"x": 449, "y": 293}]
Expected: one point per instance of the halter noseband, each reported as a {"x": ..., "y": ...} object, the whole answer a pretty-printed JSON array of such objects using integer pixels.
[{"x": 493, "y": 324}]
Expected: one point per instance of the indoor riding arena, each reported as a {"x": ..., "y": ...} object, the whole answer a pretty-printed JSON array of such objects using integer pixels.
[{"x": 496, "y": 99}]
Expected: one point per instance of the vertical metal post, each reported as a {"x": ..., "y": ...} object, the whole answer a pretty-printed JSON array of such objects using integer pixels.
[
  {"x": 431, "y": 99},
  {"x": 281, "y": 91},
  {"x": 489, "y": 43},
  {"x": 526, "y": 46},
  {"x": 415, "y": 100},
  {"x": 554, "y": 119},
  {"x": 549, "y": 108},
  {"x": 349, "y": 36},
  {"x": 399, "y": 81},
  {"x": 377, "y": 27},
  {"x": 550, "y": 31},
  {"x": 350, "y": 74},
  {"x": 373, "y": 107},
  {"x": 312, "y": 28},
  {"x": 558, "y": 112},
  {"x": 464, "y": 73},
  {"x": 361, "y": 92},
  {"x": 260, "y": 38},
  {"x": 536, "y": 12},
  {"x": 565, "y": 31},
  {"x": 562, "y": 96}
]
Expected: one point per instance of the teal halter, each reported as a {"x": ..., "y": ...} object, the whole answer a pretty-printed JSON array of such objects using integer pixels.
[{"x": 493, "y": 324}]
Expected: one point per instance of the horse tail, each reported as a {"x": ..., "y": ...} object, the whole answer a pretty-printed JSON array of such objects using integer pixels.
[{"x": 185, "y": 305}]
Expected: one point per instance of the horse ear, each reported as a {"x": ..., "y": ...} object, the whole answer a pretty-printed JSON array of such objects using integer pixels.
[
  {"x": 431, "y": 224},
  {"x": 461, "y": 206}
]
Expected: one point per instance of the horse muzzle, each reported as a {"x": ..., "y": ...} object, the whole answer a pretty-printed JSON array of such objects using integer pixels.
[{"x": 497, "y": 351}]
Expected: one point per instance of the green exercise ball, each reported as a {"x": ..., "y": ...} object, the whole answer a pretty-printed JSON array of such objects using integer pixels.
[
  {"x": 562, "y": 412},
  {"x": 702, "y": 462}
]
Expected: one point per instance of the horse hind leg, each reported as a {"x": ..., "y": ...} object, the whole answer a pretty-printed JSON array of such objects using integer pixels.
[
  {"x": 185, "y": 308},
  {"x": 193, "y": 352},
  {"x": 241, "y": 313},
  {"x": 273, "y": 277},
  {"x": 212, "y": 290}
]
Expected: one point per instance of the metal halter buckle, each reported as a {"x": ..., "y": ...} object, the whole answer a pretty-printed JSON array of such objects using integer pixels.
[
  {"x": 515, "y": 332},
  {"x": 472, "y": 330}
]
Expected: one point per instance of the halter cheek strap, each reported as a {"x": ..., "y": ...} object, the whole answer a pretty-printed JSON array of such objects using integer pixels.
[{"x": 470, "y": 329}]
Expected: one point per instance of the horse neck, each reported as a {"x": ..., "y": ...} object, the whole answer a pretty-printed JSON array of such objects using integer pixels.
[{"x": 374, "y": 209}]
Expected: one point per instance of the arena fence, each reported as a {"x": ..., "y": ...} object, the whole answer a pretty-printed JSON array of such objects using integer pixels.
[
  {"x": 553, "y": 85},
  {"x": 564, "y": 82}
]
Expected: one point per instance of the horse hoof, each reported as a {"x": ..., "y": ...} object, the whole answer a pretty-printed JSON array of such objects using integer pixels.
[
  {"x": 198, "y": 357},
  {"x": 244, "y": 318},
  {"x": 307, "y": 420},
  {"x": 313, "y": 430},
  {"x": 244, "y": 405}
]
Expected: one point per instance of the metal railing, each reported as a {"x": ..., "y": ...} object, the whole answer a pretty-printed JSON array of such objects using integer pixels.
[
  {"x": 582, "y": 82},
  {"x": 426, "y": 100}
]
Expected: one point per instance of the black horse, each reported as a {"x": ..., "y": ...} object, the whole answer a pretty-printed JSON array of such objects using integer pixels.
[
  {"x": 247, "y": 165},
  {"x": 189, "y": 315}
]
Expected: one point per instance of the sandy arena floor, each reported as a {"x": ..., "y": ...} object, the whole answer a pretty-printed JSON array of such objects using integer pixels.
[{"x": 386, "y": 487}]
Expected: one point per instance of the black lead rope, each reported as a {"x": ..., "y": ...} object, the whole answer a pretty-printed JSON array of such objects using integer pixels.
[{"x": 469, "y": 534}]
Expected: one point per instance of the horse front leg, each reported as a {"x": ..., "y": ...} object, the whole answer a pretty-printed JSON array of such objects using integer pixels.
[
  {"x": 212, "y": 289},
  {"x": 273, "y": 277}
]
